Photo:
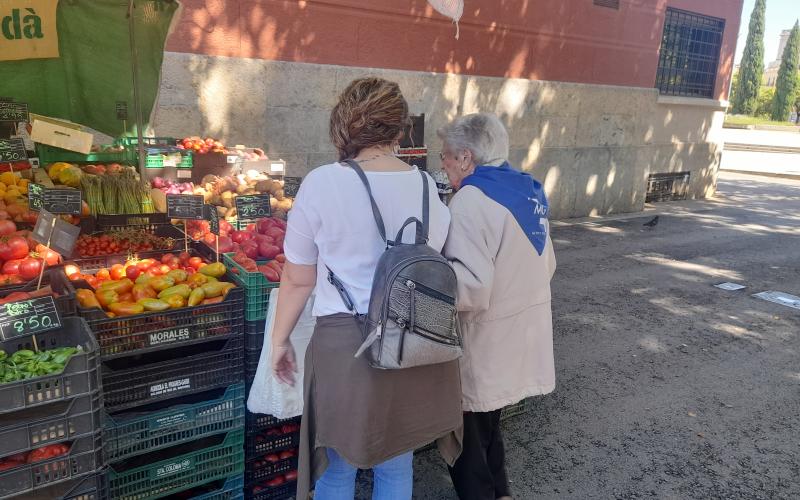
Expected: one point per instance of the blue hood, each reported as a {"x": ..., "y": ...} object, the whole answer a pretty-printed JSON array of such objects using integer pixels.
[{"x": 521, "y": 194}]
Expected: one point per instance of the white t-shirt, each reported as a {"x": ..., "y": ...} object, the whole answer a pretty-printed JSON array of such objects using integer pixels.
[{"x": 331, "y": 223}]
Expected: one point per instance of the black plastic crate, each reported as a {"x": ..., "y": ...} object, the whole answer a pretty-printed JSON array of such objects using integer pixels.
[
  {"x": 80, "y": 375},
  {"x": 60, "y": 284},
  {"x": 260, "y": 444},
  {"x": 261, "y": 469},
  {"x": 136, "y": 433},
  {"x": 154, "y": 331},
  {"x": 254, "y": 334},
  {"x": 65, "y": 420},
  {"x": 85, "y": 456},
  {"x": 148, "y": 378},
  {"x": 251, "y": 358},
  {"x": 89, "y": 487},
  {"x": 229, "y": 489},
  {"x": 282, "y": 492},
  {"x": 91, "y": 264},
  {"x": 257, "y": 422},
  {"x": 167, "y": 472}
]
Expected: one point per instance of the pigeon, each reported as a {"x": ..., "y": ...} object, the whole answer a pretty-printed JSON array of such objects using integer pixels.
[{"x": 652, "y": 222}]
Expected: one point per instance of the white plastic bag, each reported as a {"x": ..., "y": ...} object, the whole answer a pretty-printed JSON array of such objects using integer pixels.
[
  {"x": 268, "y": 395},
  {"x": 453, "y": 9}
]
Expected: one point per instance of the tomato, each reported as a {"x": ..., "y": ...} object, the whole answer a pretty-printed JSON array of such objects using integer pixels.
[
  {"x": 11, "y": 266},
  {"x": 7, "y": 227},
  {"x": 132, "y": 272},
  {"x": 71, "y": 270},
  {"x": 103, "y": 274},
  {"x": 196, "y": 262},
  {"x": 117, "y": 271},
  {"x": 166, "y": 258},
  {"x": 276, "y": 481},
  {"x": 291, "y": 475},
  {"x": 30, "y": 268},
  {"x": 145, "y": 264},
  {"x": 47, "y": 452},
  {"x": 184, "y": 257},
  {"x": 174, "y": 263},
  {"x": 272, "y": 458},
  {"x": 286, "y": 454},
  {"x": 280, "y": 258},
  {"x": 13, "y": 247},
  {"x": 164, "y": 269},
  {"x": 50, "y": 256}
]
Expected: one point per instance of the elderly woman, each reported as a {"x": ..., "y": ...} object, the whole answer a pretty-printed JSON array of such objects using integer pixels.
[{"x": 500, "y": 246}]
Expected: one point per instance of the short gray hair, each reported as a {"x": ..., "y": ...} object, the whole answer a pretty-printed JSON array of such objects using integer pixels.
[{"x": 483, "y": 134}]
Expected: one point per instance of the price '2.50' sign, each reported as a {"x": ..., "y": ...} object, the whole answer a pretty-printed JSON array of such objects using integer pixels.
[{"x": 253, "y": 206}]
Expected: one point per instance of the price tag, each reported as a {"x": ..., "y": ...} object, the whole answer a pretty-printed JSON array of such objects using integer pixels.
[
  {"x": 62, "y": 201},
  {"x": 13, "y": 112},
  {"x": 62, "y": 235},
  {"x": 12, "y": 150},
  {"x": 28, "y": 317},
  {"x": 212, "y": 216},
  {"x": 253, "y": 206},
  {"x": 277, "y": 166},
  {"x": 122, "y": 110},
  {"x": 291, "y": 185},
  {"x": 233, "y": 158},
  {"x": 34, "y": 162},
  {"x": 185, "y": 206},
  {"x": 35, "y": 196}
]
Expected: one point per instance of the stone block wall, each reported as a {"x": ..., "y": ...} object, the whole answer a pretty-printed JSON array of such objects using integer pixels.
[{"x": 593, "y": 146}]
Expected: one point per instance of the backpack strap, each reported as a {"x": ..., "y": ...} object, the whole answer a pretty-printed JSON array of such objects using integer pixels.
[
  {"x": 375, "y": 212},
  {"x": 423, "y": 238}
]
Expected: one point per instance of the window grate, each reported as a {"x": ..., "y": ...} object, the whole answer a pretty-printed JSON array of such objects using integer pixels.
[
  {"x": 612, "y": 4},
  {"x": 667, "y": 187},
  {"x": 689, "y": 55}
]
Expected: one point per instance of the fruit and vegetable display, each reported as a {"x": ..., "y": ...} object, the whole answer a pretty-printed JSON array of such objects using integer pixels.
[
  {"x": 201, "y": 146},
  {"x": 14, "y": 199},
  {"x": 26, "y": 364},
  {"x": 147, "y": 285},
  {"x": 122, "y": 241},
  {"x": 21, "y": 257},
  {"x": 260, "y": 240},
  {"x": 117, "y": 193},
  {"x": 221, "y": 191}
]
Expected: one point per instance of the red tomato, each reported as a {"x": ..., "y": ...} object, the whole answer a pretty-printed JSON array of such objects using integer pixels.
[
  {"x": 7, "y": 227},
  {"x": 276, "y": 481},
  {"x": 166, "y": 258},
  {"x": 291, "y": 475},
  {"x": 195, "y": 262},
  {"x": 132, "y": 272},
  {"x": 286, "y": 454},
  {"x": 173, "y": 263},
  {"x": 210, "y": 239},
  {"x": 272, "y": 458},
  {"x": 103, "y": 274},
  {"x": 14, "y": 247},
  {"x": 11, "y": 266},
  {"x": 51, "y": 256},
  {"x": 117, "y": 271},
  {"x": 47, "y": 452},
  {"x": 72, "y": 269},
  {"x": 184, "y": 257},
  {"x": 30, "y": 268}
]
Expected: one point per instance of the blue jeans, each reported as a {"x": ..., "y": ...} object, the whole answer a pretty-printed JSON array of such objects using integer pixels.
[{"x": 393, "y": 479}]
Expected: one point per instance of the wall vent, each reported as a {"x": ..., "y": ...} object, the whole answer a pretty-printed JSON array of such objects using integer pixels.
[
  {"x": 611, "y": 4},
  {"x": 667, "y": 187}
]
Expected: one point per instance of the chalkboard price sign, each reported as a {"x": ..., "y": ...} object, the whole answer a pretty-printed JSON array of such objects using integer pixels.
[
  {"x": 62, "y": 201},
  {"x": 12, "y": 150},
  {"x": 122, "y": 110},
  {"x": 212, "y": 216},
  {"x": 35, "y": 196},
  {"x": 291, "y": 185},
  {"x": 13, "y": 112},
  {"x": 253, "y": 206},
  {"x": 185, "y": 206},
  {"x": 28, "y": 317}
]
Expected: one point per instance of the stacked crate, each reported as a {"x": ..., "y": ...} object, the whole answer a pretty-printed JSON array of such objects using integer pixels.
[
  {"x": 50, "y": 425},
  {"x": 174, "y": 393},
  {"x": 270, "y": 444}
]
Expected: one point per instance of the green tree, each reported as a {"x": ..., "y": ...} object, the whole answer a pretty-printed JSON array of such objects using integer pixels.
[
  {"x": 752, "y": 66},
  {"x": 786, "y": 85},
  {"x": 763, "y": 107}
]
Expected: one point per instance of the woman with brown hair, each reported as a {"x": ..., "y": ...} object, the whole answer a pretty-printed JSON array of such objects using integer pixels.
[{"x": 358, "y": 417}]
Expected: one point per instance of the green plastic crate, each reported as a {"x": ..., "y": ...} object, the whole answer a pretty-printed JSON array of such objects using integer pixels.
[
  {"x": 256, "y": 289},
  {"x": 144, "y": 433},
  {"x": 49, "y": 154},
  {"x": 147, "y": 141},
  {"x": 164, "y": 477},
  {"x": 157, "y": 161}
]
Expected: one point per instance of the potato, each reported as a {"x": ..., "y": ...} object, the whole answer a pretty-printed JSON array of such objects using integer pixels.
[
  {"x": 279, "y": 195},
  {"x": 263, "y": 186}
]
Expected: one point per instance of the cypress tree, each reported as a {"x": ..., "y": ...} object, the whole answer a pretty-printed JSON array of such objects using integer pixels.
[
  {"x": 752, "y": 66},
  {"x": 786, "y": 84}
]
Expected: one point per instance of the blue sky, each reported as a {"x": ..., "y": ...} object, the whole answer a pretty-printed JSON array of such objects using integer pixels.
[{"x": 781, "y": 15}]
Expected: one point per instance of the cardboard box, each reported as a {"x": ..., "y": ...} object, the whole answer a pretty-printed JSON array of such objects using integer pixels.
[{"x": 61, "y": 134}]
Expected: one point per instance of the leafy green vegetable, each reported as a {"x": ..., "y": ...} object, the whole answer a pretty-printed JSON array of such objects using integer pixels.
[{"x": 26, "y": 364}]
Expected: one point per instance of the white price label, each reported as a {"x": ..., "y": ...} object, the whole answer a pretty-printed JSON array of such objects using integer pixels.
[
  {"x": 233, "y": 158},
  {"x": 184, "y": 173},
  {"x": 277, "y": 166},
  {"x": 170, "y": 162}
]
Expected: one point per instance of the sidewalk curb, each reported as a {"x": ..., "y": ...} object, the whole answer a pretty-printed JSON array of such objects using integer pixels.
[{"x": 764, "y": 174}]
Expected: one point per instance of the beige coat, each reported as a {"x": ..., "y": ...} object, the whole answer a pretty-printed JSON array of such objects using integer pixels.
[{"x": 504, "y": 304}]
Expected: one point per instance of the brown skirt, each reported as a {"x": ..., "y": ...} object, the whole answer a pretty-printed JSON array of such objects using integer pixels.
[{"x": 368, "y": 415}]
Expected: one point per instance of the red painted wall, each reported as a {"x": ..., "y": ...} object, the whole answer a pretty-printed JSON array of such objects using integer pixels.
[{"x": 561, "y": 40}]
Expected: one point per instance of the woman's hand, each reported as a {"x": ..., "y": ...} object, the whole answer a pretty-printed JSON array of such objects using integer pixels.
[{"x": 284, "y": 363}]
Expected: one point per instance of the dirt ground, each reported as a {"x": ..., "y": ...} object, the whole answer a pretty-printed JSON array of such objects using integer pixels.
[{"x": 667, "y": 387}]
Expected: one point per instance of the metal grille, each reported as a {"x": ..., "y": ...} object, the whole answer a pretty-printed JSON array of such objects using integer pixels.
[
  {"x": 667, "y": 187},
  {"x": 689, "y": 56},
  {"x": 613, "y": 4}
]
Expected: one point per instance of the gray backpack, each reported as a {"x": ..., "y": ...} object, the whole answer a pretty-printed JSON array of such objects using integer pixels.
[{"x": 412, "y": 318}]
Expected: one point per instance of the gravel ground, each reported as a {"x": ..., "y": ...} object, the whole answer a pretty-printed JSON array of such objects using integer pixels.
[{"x": 667, "y": 387}]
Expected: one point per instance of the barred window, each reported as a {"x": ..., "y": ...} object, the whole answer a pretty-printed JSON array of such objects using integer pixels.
[{"x": 689, "y": 56}]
